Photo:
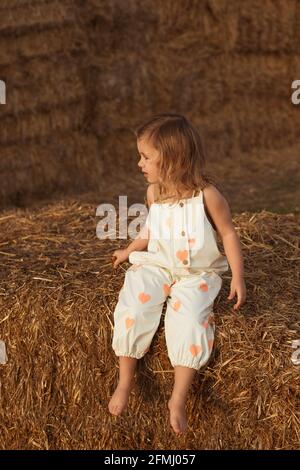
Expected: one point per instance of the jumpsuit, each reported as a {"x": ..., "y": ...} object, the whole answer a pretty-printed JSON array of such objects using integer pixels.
[{"x": 181, "y": 266}]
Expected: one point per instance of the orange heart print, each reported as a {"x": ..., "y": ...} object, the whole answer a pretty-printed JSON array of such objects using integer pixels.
[
  {"x": 144, "y": 297},
  {"x": 129, "y": 322},
  {"x": 166, "y": 289},
  {"x": 195, "y": 349},
  {"x": 182, "y": 254},
  {"x": 203, "y": 286},
  {"x": 176, "y": 306}
]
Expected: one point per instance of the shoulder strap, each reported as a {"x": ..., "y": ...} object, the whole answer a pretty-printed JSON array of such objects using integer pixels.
[{"x": 200, "y": 193}]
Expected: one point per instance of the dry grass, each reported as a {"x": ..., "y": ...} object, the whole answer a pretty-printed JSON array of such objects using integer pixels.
[{"x": 57, "y": 296}]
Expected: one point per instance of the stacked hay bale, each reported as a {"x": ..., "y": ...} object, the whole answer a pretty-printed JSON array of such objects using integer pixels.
[
  {"x": 46, "y": 145},
  {"x": 228, "y": 66},
  {"x": 83, "y": 73}
]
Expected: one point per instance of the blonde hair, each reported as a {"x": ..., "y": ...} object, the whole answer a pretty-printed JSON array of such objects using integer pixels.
[{"x": 182, "y": 157}]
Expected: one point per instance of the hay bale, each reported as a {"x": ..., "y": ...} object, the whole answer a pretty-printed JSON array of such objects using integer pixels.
[
  {"x": 13, "y": 4},
  {"x": 227, "y": 66},
  {"x": 32, "y": 15},
  {"x": 46, "y": 103},
  {"x": 34, "y": 98},
  {"x": 267, "y": 28},
  {"x": 41, "y": 71},
  {"x": 226, "y": 80},
  {"x": 59, "y": 164},
  {"x": 44, "y": 130},
  {"x": 41, "y": 43},
  {"x": 267, "y": 130},
  {"x": 58, "y": 293},
  {"x": 42, "y": 124}
]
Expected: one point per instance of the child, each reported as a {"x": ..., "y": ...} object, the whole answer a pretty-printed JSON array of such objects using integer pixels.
[{"x": 175, "y": 259}]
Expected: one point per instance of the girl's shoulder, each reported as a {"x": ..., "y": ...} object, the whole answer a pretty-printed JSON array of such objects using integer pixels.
[{"x": 211, "y": 191}]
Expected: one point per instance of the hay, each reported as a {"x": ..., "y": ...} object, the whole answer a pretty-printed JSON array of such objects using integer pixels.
[
  {"x": 228, "y": 66},
  {"x": 32, "y": 97},
  {"x": 40, "y": 15},
  {"x": 75, "y": 153},
  {"x": 270, "y": 31},
  {"x": 57, "y": 296},
  {"x": 41, "y": 43},
  {"x": 15, "y": 4},
  {"x": 46, "y": 142},
  {"x": 42, "y": 123}
]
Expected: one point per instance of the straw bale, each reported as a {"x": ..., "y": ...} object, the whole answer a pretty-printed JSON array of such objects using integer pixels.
[
  {"x": 12, "y": 4},
  {"x": 267, "y": 27},
  {"x": 40, "y": 124},
  {"x": 46, "y": 94},
  {"x": 38, "y": 71},
  {"x": 58, "y": 293},
  {"x": 215, "y": 80},
  {"x": 219, "y": 137},
  {"x": 57, "y": 164},
  {"x": 43, "y": 15},
  {"x": 264, "y": 76},
  {"x": 42, "y": 43},
  {"x": 262, "y": 124},
  {"x": 226, "y": 65}
]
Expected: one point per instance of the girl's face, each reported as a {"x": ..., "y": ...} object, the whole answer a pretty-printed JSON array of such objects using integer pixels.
[{"x": 149, "y": 161}]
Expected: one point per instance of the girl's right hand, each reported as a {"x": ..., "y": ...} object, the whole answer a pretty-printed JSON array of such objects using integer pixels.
[{"x": 119, "y": 256}]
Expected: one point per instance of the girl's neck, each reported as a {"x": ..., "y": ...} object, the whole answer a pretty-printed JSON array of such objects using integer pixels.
[{"x": 181, "y": 194}]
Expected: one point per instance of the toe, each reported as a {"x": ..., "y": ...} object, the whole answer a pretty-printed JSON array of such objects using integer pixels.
[{"x": 175, "y": 426}]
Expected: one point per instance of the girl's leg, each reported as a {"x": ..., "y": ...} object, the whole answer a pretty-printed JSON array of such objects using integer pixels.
[
  {"x": 136, "y": 319},
  {"x": 118, "y": 401},
  {"x": 183, "y": 379},
  {"x": 189, "y": 335}
]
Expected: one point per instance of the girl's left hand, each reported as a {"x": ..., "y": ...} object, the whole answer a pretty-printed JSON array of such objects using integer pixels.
[{"x": 238, "y": 287}]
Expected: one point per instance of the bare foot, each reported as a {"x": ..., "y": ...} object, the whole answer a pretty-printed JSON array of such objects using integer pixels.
[
  {"x": 177, "y": 414},
  {"x": 119, "y": 400}
]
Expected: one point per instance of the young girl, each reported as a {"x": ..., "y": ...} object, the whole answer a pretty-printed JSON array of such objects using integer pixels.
[{"x": 175, "y": 259}]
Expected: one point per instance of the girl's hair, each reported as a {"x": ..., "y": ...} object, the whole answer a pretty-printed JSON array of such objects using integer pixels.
[{"x": 182, "y": 155}]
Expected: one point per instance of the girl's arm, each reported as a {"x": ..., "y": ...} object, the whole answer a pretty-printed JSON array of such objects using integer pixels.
[
  {"x": 219, "y": 210},
  {"x": 140, "y": 243}
]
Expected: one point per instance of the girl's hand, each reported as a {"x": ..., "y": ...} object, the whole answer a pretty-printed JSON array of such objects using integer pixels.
[
  {"x": 119, "y": 256},
  {"x": 238, "y": 287}
]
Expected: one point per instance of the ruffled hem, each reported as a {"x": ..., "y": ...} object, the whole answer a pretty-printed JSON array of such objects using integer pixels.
[
  {"x": 137, "y": 355},
  {"x": 191, "y": 365}
]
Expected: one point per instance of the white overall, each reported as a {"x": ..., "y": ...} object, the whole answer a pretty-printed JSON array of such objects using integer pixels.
[{"x": 181, "y": 266}]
